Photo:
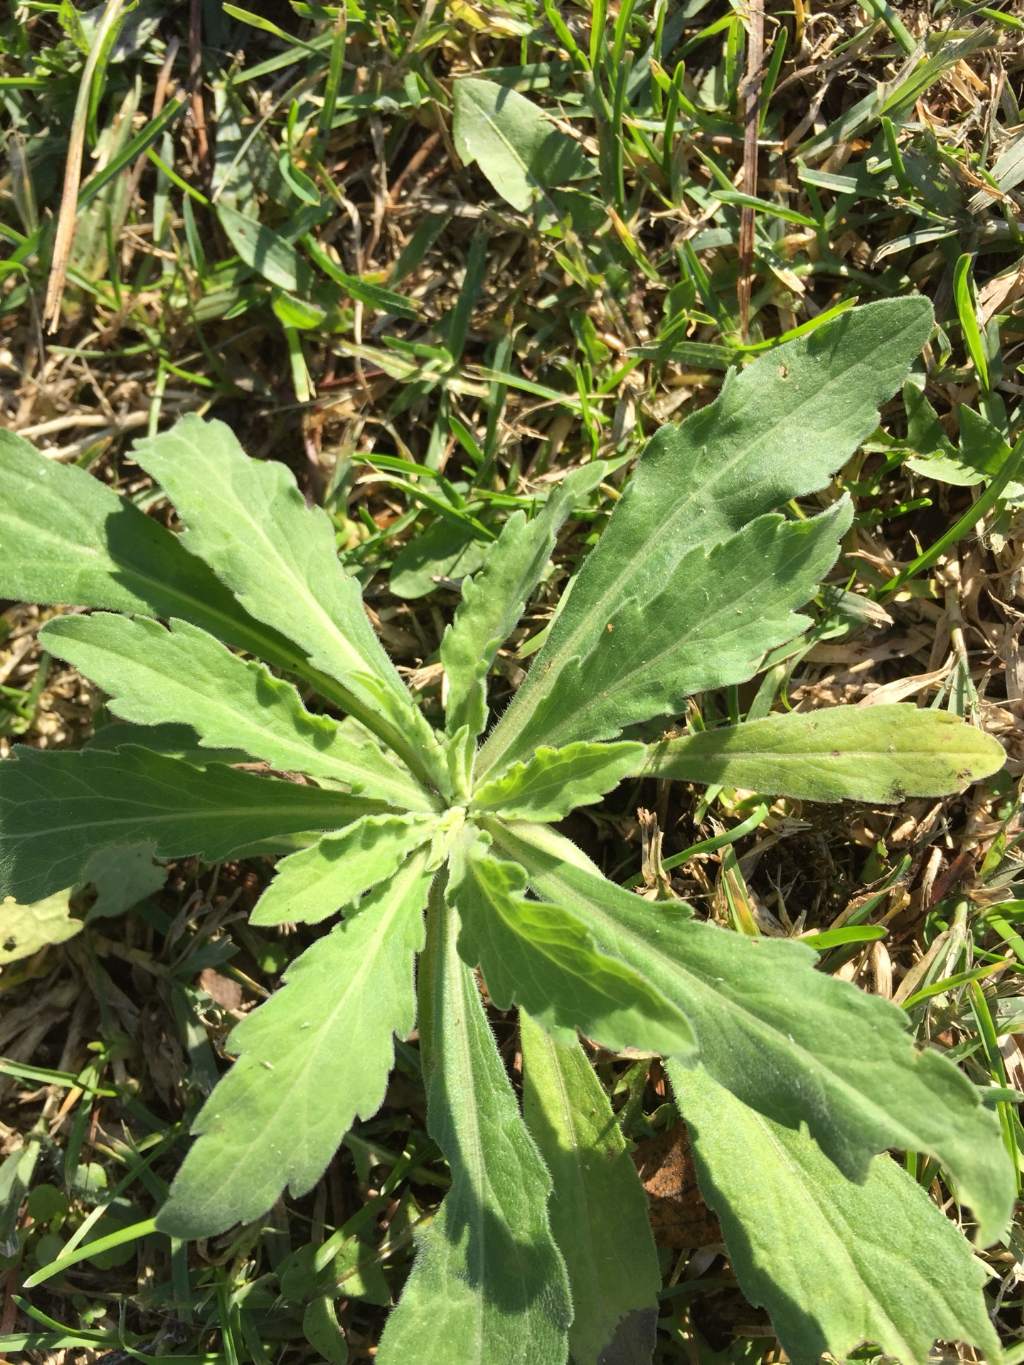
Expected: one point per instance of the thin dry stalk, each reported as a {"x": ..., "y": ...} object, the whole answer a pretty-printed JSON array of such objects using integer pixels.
[{"x": 65, "y": 235}]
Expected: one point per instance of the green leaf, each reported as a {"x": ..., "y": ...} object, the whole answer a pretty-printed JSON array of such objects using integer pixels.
[
  {"x": 24, "y": 929},
  {"x": 708, "y": 625},
  {"x": 174, "y": 741},
  {"x": 795, "y": 1044},
  {"x": 543, "y": 957},
  {"x": 555, "y": 781},
  {"x": 264, "y": 251},
  {"x": 334, "y": 872},
  {"x": 777, "y": 431},
  {"x": 493, "y": 599},
  {"x": 967, "y": 310},
  {"x": 854, "y": 753},
  {"x": 598, "y": 1206},
  {"x": 445, "y": 550},
  {"x": 250, "y": 523},
  {"x": 488, "y": 1286},
  {"x": 375, "y": 296},
  {"x": 514, "y": 144},
  {"x": 984, "y": 447},
  {"x": 301, "y": 1079},
  {"x": 322, "y": 1330},
  {"x": 67, "y": 539},
  {"x": 936, "y": 456},
  {"x": 184, "y": 675},
  {"x": 835, "y": 1263},
  {"x": 122, "y": 875},
  {"x": 57, "y": 809}
]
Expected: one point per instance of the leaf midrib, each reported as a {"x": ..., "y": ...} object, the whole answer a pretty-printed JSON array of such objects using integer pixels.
[
  {"x": 227, "y": 717},
  {"x": 296, "y": 1079},
  {"x": 236, "y": 629},
  {"x": 528, "y": 176}
]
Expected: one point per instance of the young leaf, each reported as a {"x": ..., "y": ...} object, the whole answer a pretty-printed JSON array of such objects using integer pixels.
[
  {"x": 555, "y": 781},
  {"x": 24, "y": 929},
  {"x": 153, "y": 675},
  {"x": 708, "y": 625},
  {"x": 824, "y": 1062},
  {"x": 598, "y": 1207},
  {"x": 68, "y": 539},
  {"x": 277, "y": 1116},
  {"x": 835, "y": 1263},
  {"x": 542, "y": 956},
  {"x": 264, "y": 251},
  {"x": 516, "y": 147},
  {"x": 493, "y": 599},
  {"x": 854, "y": 753},
  {"x": 777, "y": 431},
  {"x": 334, "y": 872},
  {"x": 488, "y": 1286},
  {"x": 250, "y": 523},
  {"x": 57, "y": 809}
]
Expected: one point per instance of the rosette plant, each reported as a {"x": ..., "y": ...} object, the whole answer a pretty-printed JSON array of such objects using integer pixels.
[{"x": 430, "y": 844}]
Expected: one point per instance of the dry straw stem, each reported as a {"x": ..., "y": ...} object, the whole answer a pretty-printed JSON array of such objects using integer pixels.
[{"x": 65, "y": 235}]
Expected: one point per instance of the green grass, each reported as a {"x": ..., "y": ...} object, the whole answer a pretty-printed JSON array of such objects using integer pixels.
[{"x": 426, "y": 358}]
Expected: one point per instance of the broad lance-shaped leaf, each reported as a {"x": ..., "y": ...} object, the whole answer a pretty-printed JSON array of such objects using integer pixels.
[
  {"x": 313, "y": 1058},
  {"x": 68, "y": 539},
  {"x": 598, "y": 1206},
  {"x": 543, "y": 957},
  {"x": 519, "y": 150},
  {"x": 488, "y": 1286},
  {"x": 855, "y": 753},
  {"x": 555, "y": 781},
  {"x": 709, "y": 625},
  {"x": 184, "y": 675},
  {"x": 493, "y": 599},
  {"x": 57, "y": 809},
  {"x": 334, "y": 872},
  {"x": 797, "y": 1045},
  {"x": 252, "y": 526},
  {"x": 835, "y": 1263},
  {"x": 778, "y": 430}
]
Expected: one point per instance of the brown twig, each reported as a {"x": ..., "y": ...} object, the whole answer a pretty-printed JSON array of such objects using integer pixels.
[
  {"x": 163, "y": 81},
  {"x": 67, "y": 216},
  {"x": 195, "y": 80}
]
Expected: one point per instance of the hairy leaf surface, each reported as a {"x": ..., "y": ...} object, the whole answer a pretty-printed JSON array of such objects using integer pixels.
[
  {"x": 598, "y": 1206},
  {"x": 835, "y": 1263},
  {"x": 842, "y": 1061},
  {"x": 708, "y": 625},
  {"x": 488, "y": 1286},
  {"x": 173, "y": 741},
  {"x": 277, "y": 1116},
  {"x": 493, "y": 599},
  {"x": 68, "y": 539},
  {"x": 555, "y": 781},
  {"x": 856, "y": 753},
  {"x": 518, "y": 149},
  {"x": 777, "y": 431},
  {"x": 184, "y": 675},
  {"x": 543, "y": 957},
  {"x": 57, "y": 809},
  {"x": 250, "y": 523},
  {"x": 333, "y": 873}
]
